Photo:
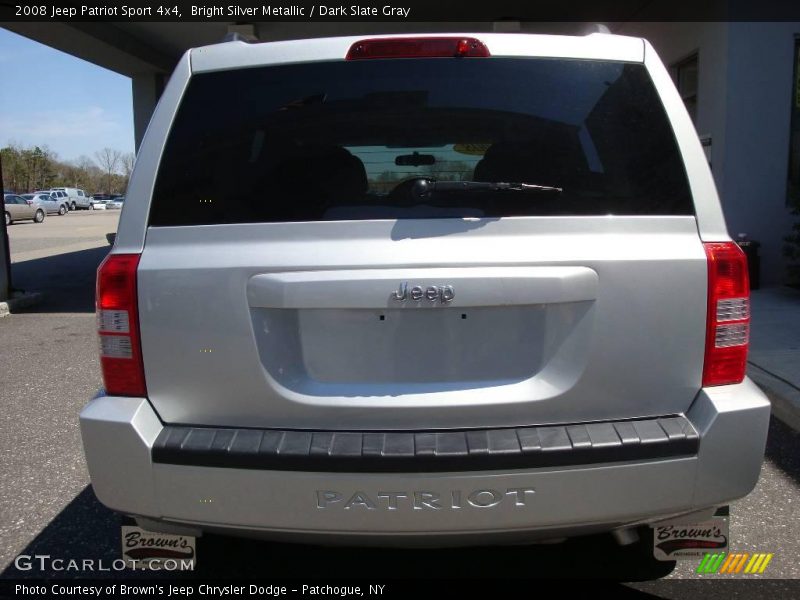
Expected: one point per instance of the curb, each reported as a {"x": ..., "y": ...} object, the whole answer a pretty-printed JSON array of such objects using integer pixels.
[
  {"x": 19, "y": 300},
  {"x": 785, "y": 398}
]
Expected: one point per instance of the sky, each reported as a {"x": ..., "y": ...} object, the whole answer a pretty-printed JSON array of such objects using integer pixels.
[{"x": 50, "y": 98}]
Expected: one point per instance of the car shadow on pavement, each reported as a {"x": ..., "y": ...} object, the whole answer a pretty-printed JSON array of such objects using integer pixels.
[
  {"x": 783, "y": 448},
  {"x": 588, "y": 557},
  {"x": 66, "y": 281},
  {"x": 86, "y": 529}
]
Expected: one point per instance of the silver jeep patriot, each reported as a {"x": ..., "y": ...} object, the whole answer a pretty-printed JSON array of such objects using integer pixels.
[{"x": 437, "y": 290}]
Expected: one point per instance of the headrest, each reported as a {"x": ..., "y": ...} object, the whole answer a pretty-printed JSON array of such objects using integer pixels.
[{"x": 544, "y": 161}]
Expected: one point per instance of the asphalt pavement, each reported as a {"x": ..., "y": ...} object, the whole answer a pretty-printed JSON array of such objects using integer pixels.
[
  {"x": 775, "y": 349},
  {"x": 49, "y": 369}
]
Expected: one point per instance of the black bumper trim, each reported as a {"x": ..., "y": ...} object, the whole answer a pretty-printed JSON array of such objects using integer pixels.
[{"x": 426, "y": 451}]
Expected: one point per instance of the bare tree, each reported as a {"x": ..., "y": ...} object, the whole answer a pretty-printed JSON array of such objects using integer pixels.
[
  {"x": 88, "y": 173},
  {"x": 85, "y": 163},
  {"x": 108, "y": 159},
  {"x": 127, "y": 160}
]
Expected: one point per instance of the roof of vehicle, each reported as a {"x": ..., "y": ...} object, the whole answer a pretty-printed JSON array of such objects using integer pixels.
[{"x": 238, "y": 54}]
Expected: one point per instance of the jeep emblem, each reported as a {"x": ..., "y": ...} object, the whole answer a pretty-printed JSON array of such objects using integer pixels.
[{"x": 442, "y": 293}]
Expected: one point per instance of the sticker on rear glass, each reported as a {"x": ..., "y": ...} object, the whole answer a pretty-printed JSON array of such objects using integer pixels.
[
  {"x": 472, "y": 149},
  {"x": 680, "y": 541}
]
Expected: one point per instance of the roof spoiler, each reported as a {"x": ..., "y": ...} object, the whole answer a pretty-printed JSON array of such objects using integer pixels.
[
  {"x": 241, "y": 32},
  {"x": 596, "y": 28},
  {"x": 235, "y": 36}
]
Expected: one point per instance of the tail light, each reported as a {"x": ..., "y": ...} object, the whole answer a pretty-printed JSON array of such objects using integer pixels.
[
  {"x": 418, "y": 47},
  {"x": 728, "y": 322},
  {"x": 118, "y": 326},
  {"x": 29, "y": 202}
]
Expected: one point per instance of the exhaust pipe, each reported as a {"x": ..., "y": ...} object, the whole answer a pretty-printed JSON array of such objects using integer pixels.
[{"x": 626, "y": 537}]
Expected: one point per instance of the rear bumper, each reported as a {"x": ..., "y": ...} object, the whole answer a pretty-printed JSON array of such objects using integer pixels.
[
  {"x": 719, "y": 460},
  {"x": 427, "y": 451}
]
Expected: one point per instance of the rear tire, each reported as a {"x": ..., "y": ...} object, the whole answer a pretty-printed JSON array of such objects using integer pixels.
[
  {"x": 62, "y": 210},
  {"x": 8, "y": 219},
  {"x": 74, "y": 207},
  {"x": 39, "y": 216}
]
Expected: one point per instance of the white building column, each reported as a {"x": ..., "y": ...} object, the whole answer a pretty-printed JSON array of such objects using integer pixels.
[{"x": 147, "y": 89}]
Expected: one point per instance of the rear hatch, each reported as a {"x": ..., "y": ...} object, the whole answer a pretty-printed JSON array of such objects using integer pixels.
[{"x": 421, "y": 243}]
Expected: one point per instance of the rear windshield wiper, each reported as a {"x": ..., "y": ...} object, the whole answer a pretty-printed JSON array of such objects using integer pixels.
[{"x": 425, "y": 188}]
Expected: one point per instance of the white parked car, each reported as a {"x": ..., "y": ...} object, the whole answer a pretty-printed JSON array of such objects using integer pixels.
[
  {"x": 77, "y": 197},
  {"x": 59, "y": 195},
  {"x": 97, "y": 204}
]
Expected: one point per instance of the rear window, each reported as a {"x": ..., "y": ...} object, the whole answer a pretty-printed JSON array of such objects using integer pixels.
[{"x": 352, "y": 140}]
